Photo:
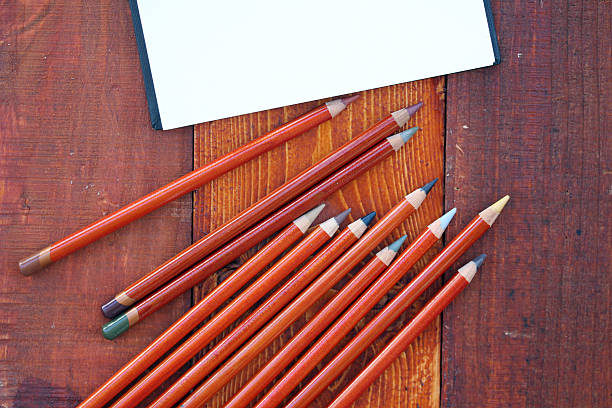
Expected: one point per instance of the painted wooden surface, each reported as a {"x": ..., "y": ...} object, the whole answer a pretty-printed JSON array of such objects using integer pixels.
[
  {"x": 533, "y": 330},
  {"x": 379, "y": 189},
  {"x": 76, "y": 144}
]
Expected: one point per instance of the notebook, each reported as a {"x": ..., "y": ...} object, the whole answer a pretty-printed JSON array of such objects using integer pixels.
[{"x": 207, "y": 60}]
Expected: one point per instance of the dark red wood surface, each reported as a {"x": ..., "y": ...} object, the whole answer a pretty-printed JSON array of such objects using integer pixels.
[
  {"x": 76, "y": 143},
  {"x": 533, "y": 330}
]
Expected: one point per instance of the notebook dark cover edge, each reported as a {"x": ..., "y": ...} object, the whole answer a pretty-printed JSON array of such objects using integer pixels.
[
  {"x": 489, "y": 14},
  {"x": 146, "y": 68}
]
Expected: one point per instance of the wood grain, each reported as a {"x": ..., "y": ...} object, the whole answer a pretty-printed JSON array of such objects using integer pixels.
[
  {"x": 76, "y": 144},
  {"x": 381, "y": 188},
  {"x": 534, "y": 328}
]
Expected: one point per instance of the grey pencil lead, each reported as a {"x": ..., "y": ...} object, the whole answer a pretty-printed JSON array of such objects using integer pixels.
[{"x": 342, "y": 216}]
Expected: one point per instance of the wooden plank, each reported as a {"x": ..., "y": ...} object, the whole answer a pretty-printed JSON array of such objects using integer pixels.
[
  {"x": 76, "y": 144},
  {"x": 534, "y": 328},
  {"x": 420, "y": 162}
]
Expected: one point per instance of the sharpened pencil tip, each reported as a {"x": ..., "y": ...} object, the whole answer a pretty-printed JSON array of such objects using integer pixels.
[
  {"x": 342, "y": 216},
  {"x": 479, "y": 260},
  {"x": 427, "y": 187},
  {"x": 407, "y": 134},
  {"x": 499, "y": 205},
  {"x": 396, "y": 245},
  {"x": 367, "y": 219},
  {"x": 350, "y": 99},
  {"x": 414, "y": 108},
  {"x": 446, "y": 218}
]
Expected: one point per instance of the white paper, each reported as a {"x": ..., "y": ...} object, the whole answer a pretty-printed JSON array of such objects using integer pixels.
[{"x": 216, "y": 59}]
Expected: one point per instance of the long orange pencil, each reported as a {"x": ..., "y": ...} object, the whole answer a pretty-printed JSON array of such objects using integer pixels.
[
  {"x": 343, "y": 325},
  {"x": 205, "y": 307},
  {"x": 231, "y": 312},
  {"x": 263, "y": 313},
  {"x": 225, "y": 255},
  {"x": 407, "y": 335},
  {"x": 317, "y": 289},
  {"x": 400, "y": 303},
  {"x": 182, "y": 185},
  {"x": 257, "y": 211}
]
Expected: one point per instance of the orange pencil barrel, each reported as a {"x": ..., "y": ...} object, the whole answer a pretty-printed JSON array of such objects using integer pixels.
[
  {"x": 407, "y": 335},
  {"x": 197, "y": 313},
  {"x": 177, "y": 188},
  {"x": 316, "y": 325},
  {"x": 263, "y": 313},
  {"x": 320, "y": 286},
  {"x": 255, "y": 212},
  {"x": 343, "y": 325},
  {"x": 230, "y": 313},
  {"x": 457, "y": 247},
  {"x": 202, "y": 270}
]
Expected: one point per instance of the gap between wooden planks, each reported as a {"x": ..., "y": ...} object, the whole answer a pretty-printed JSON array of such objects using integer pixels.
[{"x": 415, "y": 376}]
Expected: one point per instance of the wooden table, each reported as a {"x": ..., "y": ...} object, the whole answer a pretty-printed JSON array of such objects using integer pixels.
[{"x": 532, "y": 330}]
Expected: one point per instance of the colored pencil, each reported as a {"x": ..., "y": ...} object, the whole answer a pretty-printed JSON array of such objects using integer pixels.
[
  {"x": 343, "y": 325},
  {"x": 200, "y": 339},
  {"x": 263, "y": 313},
  {"x": 199, "y": 312},
  {"x": 242, "y": 275},
  {"x": 318, "y": 288},
  {"x": 181, "y": 186},
  {"x": 408, "y": 334},
  {"x": 400, "y": 303},
  {"x": 297, "y": 185},
  {"x": 316, "y": 325},
  {"x": 222, "y": 257}
]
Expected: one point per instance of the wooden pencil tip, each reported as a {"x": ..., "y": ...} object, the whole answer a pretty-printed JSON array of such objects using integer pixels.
[
  {"x": 305, "y": 221},
  {"x": 350, "y": 99},
  {"x": 499, "y": 205},
  {"x": 469, "y": 269}
]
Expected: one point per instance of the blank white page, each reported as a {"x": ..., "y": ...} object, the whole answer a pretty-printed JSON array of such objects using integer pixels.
[{"x": 216, "y": 59}]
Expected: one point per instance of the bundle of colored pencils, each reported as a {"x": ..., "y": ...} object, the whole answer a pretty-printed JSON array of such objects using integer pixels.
[{"x": 306, "y": 262}]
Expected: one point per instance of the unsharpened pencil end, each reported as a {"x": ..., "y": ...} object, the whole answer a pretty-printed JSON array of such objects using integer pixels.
[
  {"x": 342, "y": 216},
  {"x": 479, "y": 260},
  {"x": 113, "y": 308},
  {"x": 414, "y": 108},
  {"x": 367, "y": 219},
  {"x": 305, "y": 221},
  {"x": 499, "y": 205},
  {"x": 35, "y": 262},
  {"x": 427, "y": 187},
  {"x": 396, "y": 245},
  {"x": 114, "y": 328}
]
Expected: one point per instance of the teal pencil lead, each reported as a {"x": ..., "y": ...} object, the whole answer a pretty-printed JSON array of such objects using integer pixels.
[
  {"x": 396, "y": 245},
  {"x": 427, "y": 187},
  {"x": 407, "y": 134}
]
